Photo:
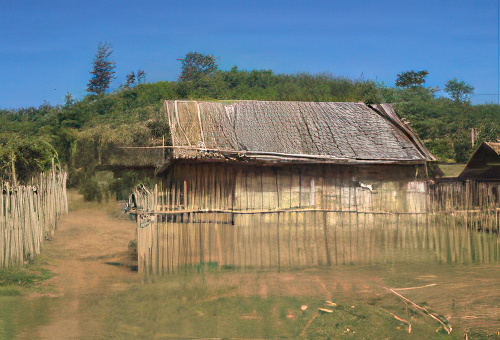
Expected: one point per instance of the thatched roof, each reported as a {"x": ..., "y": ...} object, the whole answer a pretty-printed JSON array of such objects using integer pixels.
[
  {"x": 484, "y": 163},
  {"x": 292, "y": 131}
]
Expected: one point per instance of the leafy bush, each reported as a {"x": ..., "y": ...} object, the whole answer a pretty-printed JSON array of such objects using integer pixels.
[
  {"x": 97, "y": 187},
  {"x": 443, "y": 149},
  {"x": 29, "y": 155}
]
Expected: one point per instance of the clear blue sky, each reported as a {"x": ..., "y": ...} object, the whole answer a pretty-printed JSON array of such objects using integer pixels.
[{"x": 47, "y": 46}]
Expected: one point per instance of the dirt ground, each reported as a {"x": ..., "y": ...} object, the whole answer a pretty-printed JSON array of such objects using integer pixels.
[{"x": 84, "y": 241}]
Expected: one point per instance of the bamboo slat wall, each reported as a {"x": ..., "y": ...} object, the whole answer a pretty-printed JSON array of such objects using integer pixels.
[
  {"x": 476, "y": 203},
  {"x": 28, "y": 214},
  {"x": 269, "y": 217}
]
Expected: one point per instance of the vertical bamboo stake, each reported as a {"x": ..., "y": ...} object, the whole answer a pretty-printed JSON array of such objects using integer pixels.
[
  {"x": 324, "y": 206},
  {"x": 154, "y": 230},
  {"x": 297, "y": 236},
  {"x": 261, "y": 217},
  {"x": 14, "y": 177},
  {"x": 315, "y": 227},
  {"x": 349, "y": 209},
  {"x": 339, "y": 214},
  {"x": 290, "y": 206},
  {"x": 357, "y": 221},
  {"x": 246, "y": 220},
  {"x": 304, "y": 222},
  {"x": 278, "y": 219},
  {"x": 218, "y": 184}
]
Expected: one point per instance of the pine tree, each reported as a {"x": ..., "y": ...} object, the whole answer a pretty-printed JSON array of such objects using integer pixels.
[{"x": 102, "y": 69}]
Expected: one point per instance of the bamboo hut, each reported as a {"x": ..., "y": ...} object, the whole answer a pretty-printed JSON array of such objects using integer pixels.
[
  {"x": 278, "y": 184},
  {"x": 248, "y": 149}
]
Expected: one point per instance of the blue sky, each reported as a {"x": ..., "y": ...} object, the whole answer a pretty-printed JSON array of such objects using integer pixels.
[{"x": 46, "y": 47}]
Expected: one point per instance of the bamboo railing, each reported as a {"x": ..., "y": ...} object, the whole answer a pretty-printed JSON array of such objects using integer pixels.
[{"x": 28, "y": 214}]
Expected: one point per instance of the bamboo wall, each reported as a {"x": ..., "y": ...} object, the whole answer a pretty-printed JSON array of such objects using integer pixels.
[
  {"x": 216, "y": 186},
  {"x": 28, "y": 214},
  {"x": 475, "y": 204},
  {"x": 272, "y": 217}
]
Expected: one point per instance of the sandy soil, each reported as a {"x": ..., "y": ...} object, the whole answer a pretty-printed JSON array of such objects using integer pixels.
[{"x": 84, "y": 241}]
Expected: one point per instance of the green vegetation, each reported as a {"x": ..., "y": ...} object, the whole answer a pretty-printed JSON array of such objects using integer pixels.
[
  {"x": 84, "y": 134},
  {"x": 28, "y": 156},
  {"x": 196, "y": 65},
  {"x": 13, "y": 280},
  {"x": 452, "y": 170},
  {"x": 411, "y": 78},
  {"x": 459, "y": 90},
  {"x": 16, "y": 312},
  {"x": 24, "y": 276}
]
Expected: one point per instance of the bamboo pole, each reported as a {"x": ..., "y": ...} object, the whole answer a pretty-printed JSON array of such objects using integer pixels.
[
  {"x": 290, "y": 222},
  {"x": 26, "y": 214},
  {"x": 278, "y": 219}
]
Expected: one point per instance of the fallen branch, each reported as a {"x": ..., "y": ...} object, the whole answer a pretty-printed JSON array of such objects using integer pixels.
[
  {"x": 448, "y": 329},
  {"x": 308, "y": 324},
  {"x": 429, "y": 285},
  {"x": 398, "y": 318}
]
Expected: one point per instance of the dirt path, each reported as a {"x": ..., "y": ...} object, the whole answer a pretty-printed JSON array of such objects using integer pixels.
[{"x": 85, "y": 240}]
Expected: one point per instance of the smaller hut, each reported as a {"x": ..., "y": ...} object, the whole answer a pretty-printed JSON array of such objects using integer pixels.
[{"x": 484, "y": 165}]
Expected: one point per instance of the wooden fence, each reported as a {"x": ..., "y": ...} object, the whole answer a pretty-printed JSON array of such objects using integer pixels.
[
  {"x": 448, "y": 222},
  {"x": 476, "y": 203},
  {"x": 28, "y": 214}
]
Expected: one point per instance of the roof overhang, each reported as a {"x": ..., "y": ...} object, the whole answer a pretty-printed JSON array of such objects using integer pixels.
[{"x": 266, "y": 159}]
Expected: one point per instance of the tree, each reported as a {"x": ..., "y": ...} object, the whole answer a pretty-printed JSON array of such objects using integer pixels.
[
  {"x": 196, "y": 65},
  {"x": 102, "y": 69},
  {"x": 141, "y": 76},
  {"x": 459, "y": 91},
  {"x": 130, "y": 80},
  {"x": 411, "y": 78},
  {"x": 69, "y": 101}
]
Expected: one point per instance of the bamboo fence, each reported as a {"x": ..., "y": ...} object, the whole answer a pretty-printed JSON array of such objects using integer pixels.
[
  {"x": 28, "y": 214},
  {"x": 190, "y": 225}
]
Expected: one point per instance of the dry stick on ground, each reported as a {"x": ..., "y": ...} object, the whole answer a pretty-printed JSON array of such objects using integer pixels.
[
  {"x": 398, "y": 318},
  {"x": 308, "y": 324},
  {"x": 421, "y": 309},
  {"x": 429, "y": 285}
]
